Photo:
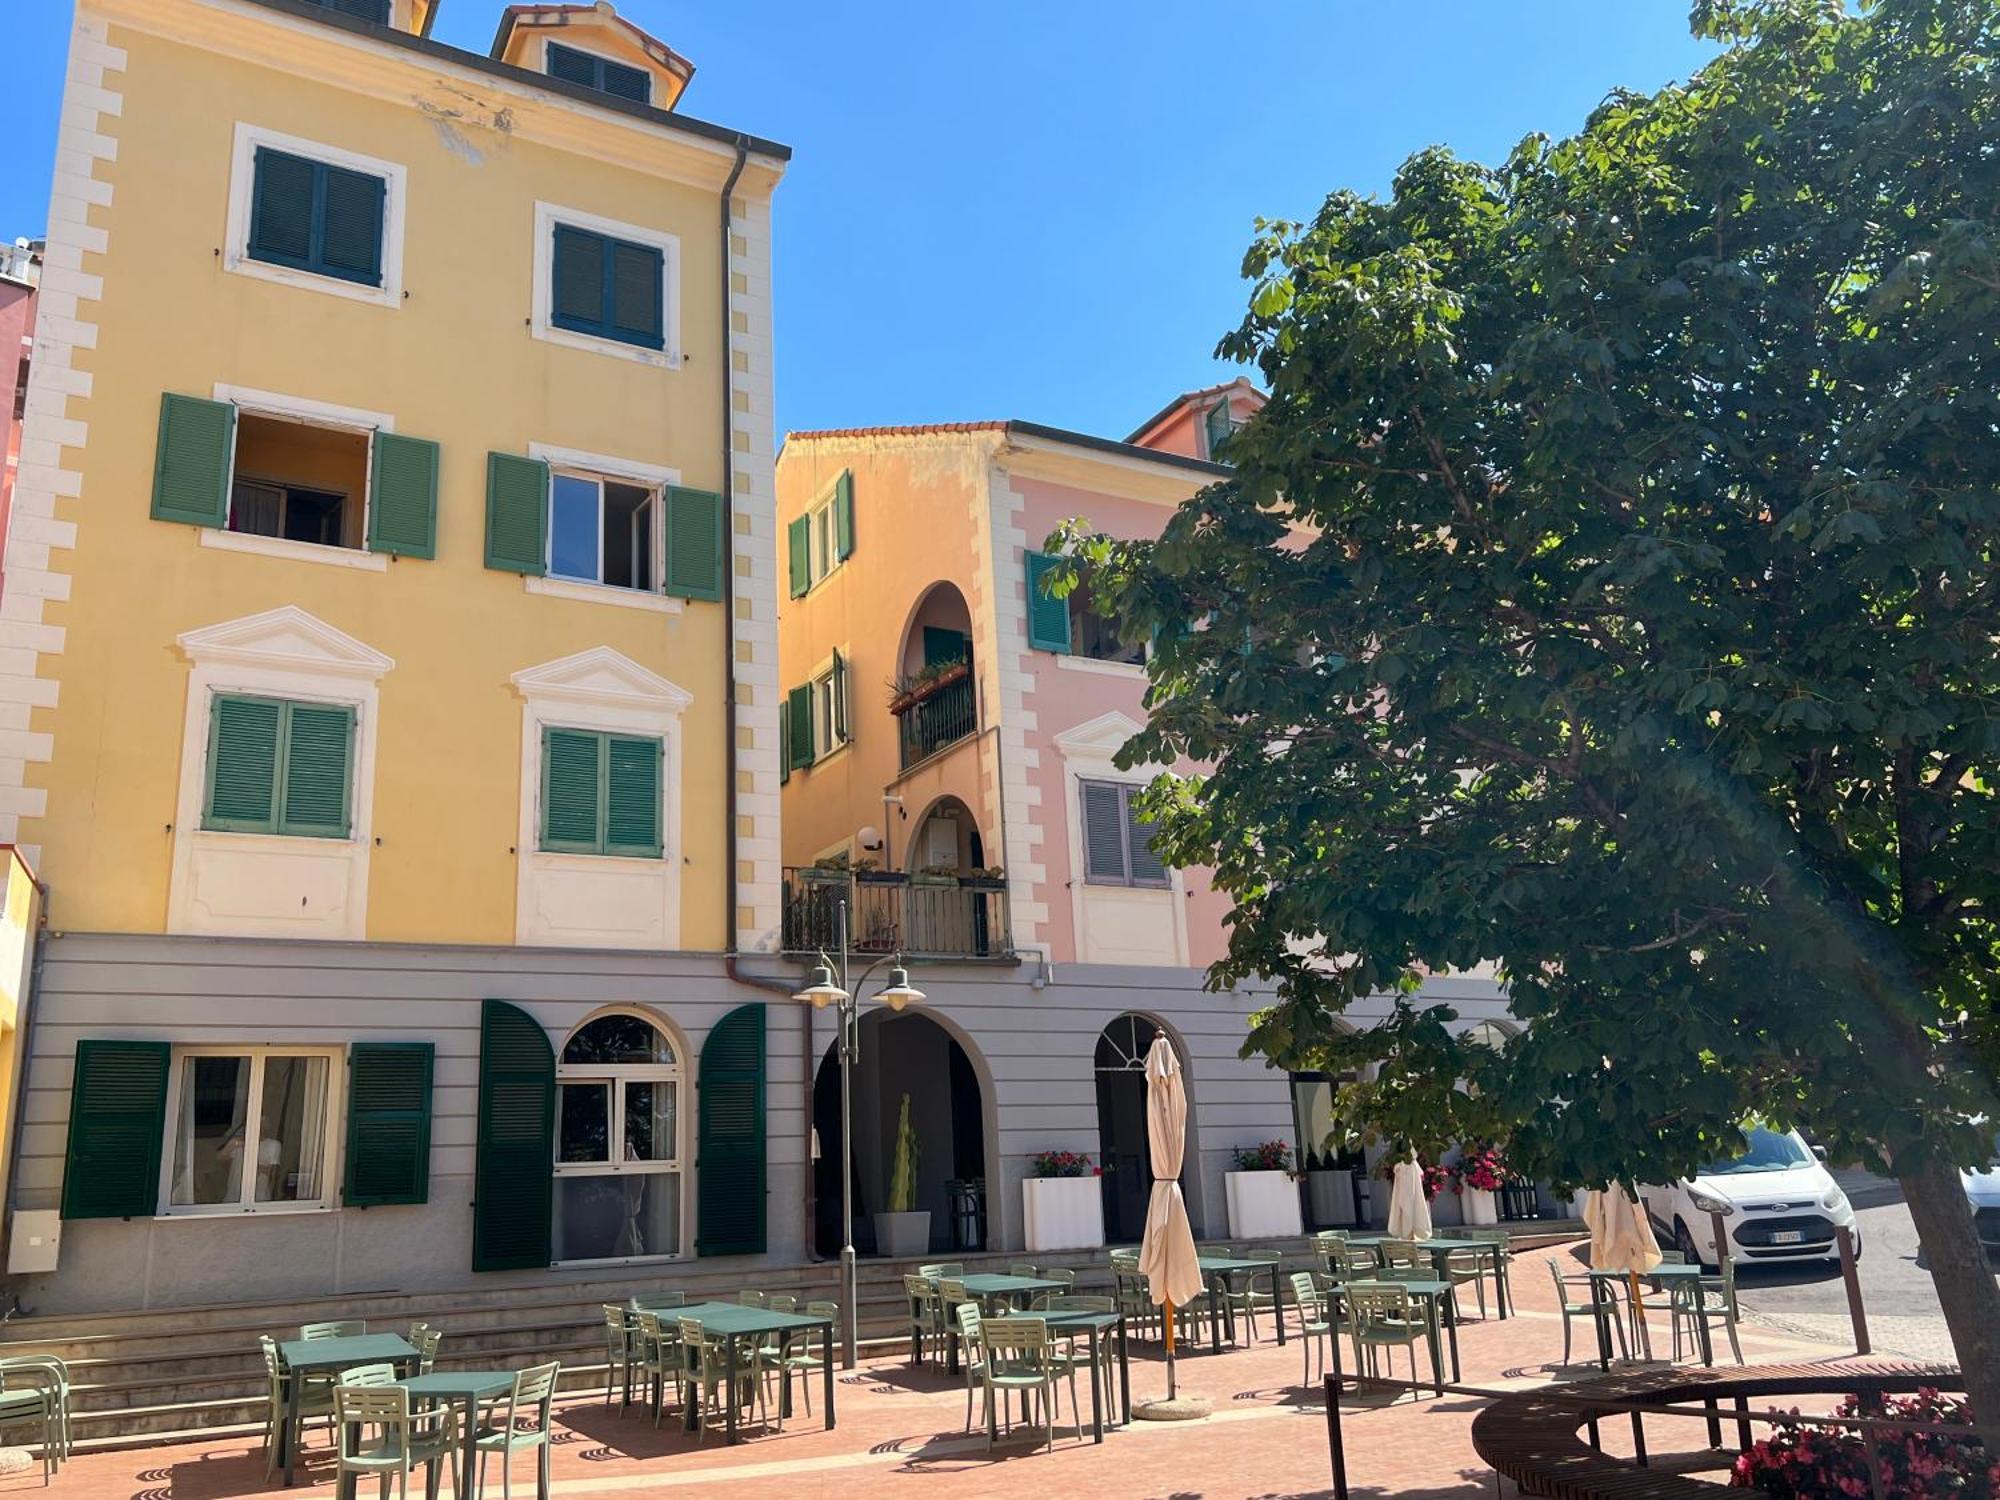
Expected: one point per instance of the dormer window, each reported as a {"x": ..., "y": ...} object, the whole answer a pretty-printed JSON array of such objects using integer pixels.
[
  {"x": 600, "y": 73},
  {"x": 1218, "y": 425}
]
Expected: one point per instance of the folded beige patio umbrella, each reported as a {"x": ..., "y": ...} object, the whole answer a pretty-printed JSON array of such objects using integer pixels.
[
  {"x": 1409, "y": 1209},
  {"x": 1166, "y": 1252},
  {"x": 1621, "y": 1239}
]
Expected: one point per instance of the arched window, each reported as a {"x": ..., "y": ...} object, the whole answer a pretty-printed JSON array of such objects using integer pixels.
[
  {"x": 1489, "y": 1034},
  {"x": 619, "y": 1141}
]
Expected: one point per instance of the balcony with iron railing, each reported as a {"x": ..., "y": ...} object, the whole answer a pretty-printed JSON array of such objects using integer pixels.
[
  {"x": 936, "y": 714},
  {"x": 919, "y": 916}
]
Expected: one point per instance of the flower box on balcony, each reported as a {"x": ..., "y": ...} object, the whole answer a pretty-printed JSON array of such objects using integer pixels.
[
  {"x": 1063, "y": 1213},
  {"x": 920, "y": 692},
  {"x": 882, "y": 877},
  {"x": 982, "y": 882},
  {"x": 1262, "y": 1203}
]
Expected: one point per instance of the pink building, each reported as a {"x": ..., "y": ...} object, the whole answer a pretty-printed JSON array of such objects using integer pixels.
[
  {"x": 948, "y": 737},
  {"x": 20, "y": 267}
]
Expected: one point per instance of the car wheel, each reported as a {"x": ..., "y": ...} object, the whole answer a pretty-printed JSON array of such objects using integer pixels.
[{"x": 1684, "y": 1242}]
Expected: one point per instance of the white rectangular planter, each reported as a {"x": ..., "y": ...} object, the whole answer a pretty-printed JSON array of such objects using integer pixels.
[
  {"x": 1262, "y": 1203},
  {"x": 1063, "y": 1213}
]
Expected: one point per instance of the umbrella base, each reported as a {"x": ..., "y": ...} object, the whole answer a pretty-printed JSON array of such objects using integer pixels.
[{"x": 1173, "y": 1409}]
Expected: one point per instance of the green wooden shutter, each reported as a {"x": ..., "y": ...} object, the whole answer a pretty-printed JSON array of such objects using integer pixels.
[
  {"x": 351, "y": 224},
  {"x": 839, "y": 699},
  {"x": 694, "y": 543},
  {"x": 636, "y": 277},
  {"x": 117, "y": 1116},
  {"x": 798, "y": 540},
  {"x": 1048, "y": 618},
  {"x": 281, "y": 208},
  {"x": 402, "y": 498},
  {"x": 622, "y": 82},
  {"x": 843, "y": 515},
  {"x": 570, "y": 65},
  {"x": 632, "y": 795},
  {"x": 729, "y": 1151},
  {"x": 191, "y": 468},
  {"x": 576, "y": 297},
  {"x": 318, "y": 770},
  {"x": 513, "y": 1193},
  {"x": 799, "y": 749},
  {"x": 388, "y": 1123},
  {"x": 572, "y": 786},
  {"x": 242, "y": 786},
  {"x": 517, "y": 513},
  {"x": 784, "y": 741}
]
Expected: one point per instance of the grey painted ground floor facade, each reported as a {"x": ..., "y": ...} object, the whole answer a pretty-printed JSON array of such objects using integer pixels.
[{"x": 261, "y": 1047}]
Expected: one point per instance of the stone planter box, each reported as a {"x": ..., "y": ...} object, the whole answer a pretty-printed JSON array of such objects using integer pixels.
[
  {"x": 1063, "y": 1213},
  {"x": 1479, "y": 1206},
  {"x": 1262, "y": 1204},
  {"x": 903, "y": 1236}
]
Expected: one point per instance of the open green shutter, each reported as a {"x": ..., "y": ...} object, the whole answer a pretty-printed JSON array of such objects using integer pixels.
[
  {"x": 318, "y": 771},
  {"x": 244, "y": 735},
  {"x": 1048, "y": 618},
  {"x": 572, "y": 778},
  {"x": 799, "y": 748},
  {"x": 729, "y": 1151},
  {"x": 388, "y": 1123},
  {"x": 402, "y": 496},
  {"x": 843, "y": 515},
  {"x": 784, "y": 741},
  {"x": 191, "y": 467},
  {"x": 632, "y": 795},
  {"x": 694, "y": 543},
  {"x": 513, "y": 1191},
  {"x": 517, "y": 513},
  {"x": 798, "y": 544},
  {"x": 117, "y": 1116},
  {"x": 839, "y": 699}
]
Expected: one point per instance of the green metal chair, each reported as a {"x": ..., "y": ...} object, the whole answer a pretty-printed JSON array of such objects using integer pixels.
[
  {"x": 942, "y": 1268},
  {"x": 379, "y": 1435},
  {"x": 1710, "y": 1300},
  {"x": 1135, "y": 1298},
  {"x": 532, "y": 1399},
  {"x": 1382, "y": 1316},
  {"x": 1074, "y": 1352},
  {"x": 804, "y": 1356},
  {"x": 34, "y": 1393},
  {"x": 1020, "y": 1359},
  {"x": 426, "y": 1345},
  {"x": 344, "y": 1328},
  {"x": 708, "y": 1372},
  {"x": 971, "y": 1352},
  {"x": 618, "y": 1354},
  {"x": 1065, "y": 1279},
  {"x": 1022, "y": 1268},
  {"x": 752, "y": 1299},
  {"x": 382, "y": 1374},
  {"x": 1601, "y": 1299},
  {"x": 1402, "y": 1253},
  {"x": 926, "y": 1314},
  {"x": 1240, "y": 1294},
  {"x": 315, "y": 1400},
  {"x": 656, "y": 1348},
  {"x": 1320, "y": 1321},
  {"x": 1497, "y": 1267}
]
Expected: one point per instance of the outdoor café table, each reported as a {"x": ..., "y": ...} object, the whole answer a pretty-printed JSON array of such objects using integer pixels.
[
  {"x": 732, "y": 1322},
  {"x": 1216, "y": 1271},
  {"x": 985, "y": 1290},
  {"x": 1099, "y": 1325},
  {"x": 1440, "y": 1302},
  {"x": 467, "y": 1388},
  {"x": 303, "y": 1357},
  {"x": 1442, "y": 1247},
  {"x": 1665, "y": 1274}
]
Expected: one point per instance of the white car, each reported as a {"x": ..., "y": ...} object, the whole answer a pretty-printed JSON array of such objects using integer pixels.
[
  {"x": 1982, "y": 1193},
  {"x": 1777, "y": 1200}
]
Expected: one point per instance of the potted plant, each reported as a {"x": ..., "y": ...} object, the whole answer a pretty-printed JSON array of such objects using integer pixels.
[
  {"x": 912, "y": 688},
  {"x": 992, "y": 878},
  {"x": 936, "y": 875},
  {"x": 1262, "y": 1192},
  {"x": 828, "y": 869},
  {"x": 869, "y": 872},
  {"x": 903, "y": 1229},
  {"x": 1479, "y": 1175},
  {"x": 1063, "y": 1202}
]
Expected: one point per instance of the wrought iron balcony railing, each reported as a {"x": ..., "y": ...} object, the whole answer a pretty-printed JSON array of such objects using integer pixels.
[{"x": 921, "y": 916}]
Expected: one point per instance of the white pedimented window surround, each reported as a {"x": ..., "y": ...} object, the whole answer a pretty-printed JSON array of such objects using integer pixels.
[
  {"x": 1115, "y": 924},
  {"x": 271, "y": 885}
]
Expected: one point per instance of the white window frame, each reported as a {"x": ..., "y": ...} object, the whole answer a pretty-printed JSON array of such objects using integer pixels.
[
  {"x": 277, "y": 406},
  {"x": 257, "y": 1053},
  {"x": 600, "y": 467},
  {"x": 242, "y": 184},
  {"x": 822, "y": 540},
  {"x": 542, "y": 295},
  {"x": 820, "y": 699},
  {"x": 1088, "y": 752},
  {"x": 617, "y": 1075}
]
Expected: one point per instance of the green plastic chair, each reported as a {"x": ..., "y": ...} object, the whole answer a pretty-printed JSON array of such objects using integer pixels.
[
  {"x": 315, "y": 1400},
  {"x": 804, "y": 1357},
  {"x": 656, "y": 1348},
  {"x": 752, "y": 1299},
  {"x": 1074, "y": 1352},
  {"x": 1383, "y": 1316},
  {"x": 617, "y": 1354},
  {"x": 1319, "y": 1321},
  {"x": 665, "y": 1299},
  {"x": 379, "y": 1435},
  {"x": 532, "y": 1397},
  {"x": 943, "y": 1268},
  {"x": 971, "y": 1352},
  {"x": 382, "y": 1374},
  {"x": 1019, "y": 1359},
  {"x": 1022, "y": 1268},
  {"x": 345, "y": 1328},
  {"x": 926, "y": 1313},
  {"x": 34, "y": 1393},
  {"x": 1240, "y": 1292},
  {"x": 1710, "y": 1300},
  {"x": 708, "y": 1371},
  {"x": 1066, "y": 1280},
  {"x": 1600, "y": 1297}
]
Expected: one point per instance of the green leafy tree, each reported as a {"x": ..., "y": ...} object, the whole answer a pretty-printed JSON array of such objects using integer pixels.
[{"x": 1608, "y": 594}]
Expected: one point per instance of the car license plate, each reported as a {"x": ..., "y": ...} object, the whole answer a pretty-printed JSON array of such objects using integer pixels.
[{"x": 1788, "y": 1236}]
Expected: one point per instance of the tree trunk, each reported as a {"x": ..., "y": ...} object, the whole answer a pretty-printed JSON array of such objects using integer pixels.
[{"x": 1965, "y": 1284}]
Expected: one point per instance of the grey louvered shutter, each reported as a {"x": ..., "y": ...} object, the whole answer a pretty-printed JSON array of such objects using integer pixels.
[
  {"x": 1147, "y": 867},
  {"x": 1103, "y": 832},
  {"x": 402, "y": 496},
  {"x": 191, "y": 465}
]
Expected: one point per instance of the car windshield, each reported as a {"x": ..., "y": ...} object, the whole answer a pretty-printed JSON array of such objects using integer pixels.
[{"x": 1769, "y": 1152}]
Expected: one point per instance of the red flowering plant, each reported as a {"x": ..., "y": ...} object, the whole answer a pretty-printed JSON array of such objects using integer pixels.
[
  {"x": 1805, "y": 1461},
  {"x": 1063, "y": 1164},
  {"x": 1265, "y": 1156},
  {"x": 1480, "y": 1166}
]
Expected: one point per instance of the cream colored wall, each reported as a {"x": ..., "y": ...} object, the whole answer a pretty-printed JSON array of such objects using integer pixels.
[
  {"x": 455, "y": 363},
  {"x": 917, "y": 503}
]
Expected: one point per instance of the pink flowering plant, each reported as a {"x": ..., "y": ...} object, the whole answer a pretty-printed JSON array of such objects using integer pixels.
[
  {"x": 1063, "y": 1164},
  {"x": 1805, "y": 1461},
  {"x": 1436, "y": 1178},
  {"x": 1265, "y": 1156},
  {"x": 1480, "y": 1166}
]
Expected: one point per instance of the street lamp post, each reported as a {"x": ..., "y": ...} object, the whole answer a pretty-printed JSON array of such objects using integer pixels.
[{"x": 821, "y": 991}]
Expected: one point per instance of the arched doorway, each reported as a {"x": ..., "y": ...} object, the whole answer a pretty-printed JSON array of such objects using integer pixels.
[
  {"x": 1122, "y": 1146},
  {"x": 908, "y": 1053},
  {"x": 936, "y": 703},
  {"x": 619, "y": 1184}
]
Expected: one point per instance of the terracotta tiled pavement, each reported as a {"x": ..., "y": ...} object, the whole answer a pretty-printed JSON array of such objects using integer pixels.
[{"x": 899, "y": 1433}]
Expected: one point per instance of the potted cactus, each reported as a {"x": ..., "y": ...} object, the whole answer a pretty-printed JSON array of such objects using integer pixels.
[{"x": 903, "y": 1229}]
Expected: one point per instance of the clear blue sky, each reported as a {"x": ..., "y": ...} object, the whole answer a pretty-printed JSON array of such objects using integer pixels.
[{"x": 1037, "y": 210}]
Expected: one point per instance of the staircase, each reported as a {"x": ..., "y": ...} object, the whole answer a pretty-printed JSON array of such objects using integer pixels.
[{"x": 178, "y": 1374}]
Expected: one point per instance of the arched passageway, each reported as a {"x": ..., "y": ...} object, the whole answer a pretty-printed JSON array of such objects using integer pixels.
[{"x": 1124, "y": 1152}]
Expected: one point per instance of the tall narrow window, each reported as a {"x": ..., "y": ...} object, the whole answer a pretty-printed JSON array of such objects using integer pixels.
[
  {"x": 1117, "y": 843},
  {"x": 602, "y": 531}
]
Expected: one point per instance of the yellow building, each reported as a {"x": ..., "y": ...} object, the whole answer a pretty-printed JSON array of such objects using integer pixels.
[{"x": 389, "y": 669}]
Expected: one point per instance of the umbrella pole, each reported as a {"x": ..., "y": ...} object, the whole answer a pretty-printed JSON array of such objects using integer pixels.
[
  {"x": 1170, "y": 1349},
  {"x": 1639, "y": 1317}
]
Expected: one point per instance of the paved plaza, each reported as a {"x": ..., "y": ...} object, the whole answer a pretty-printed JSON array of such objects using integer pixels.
[{"x": 900, "y": 1432}]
